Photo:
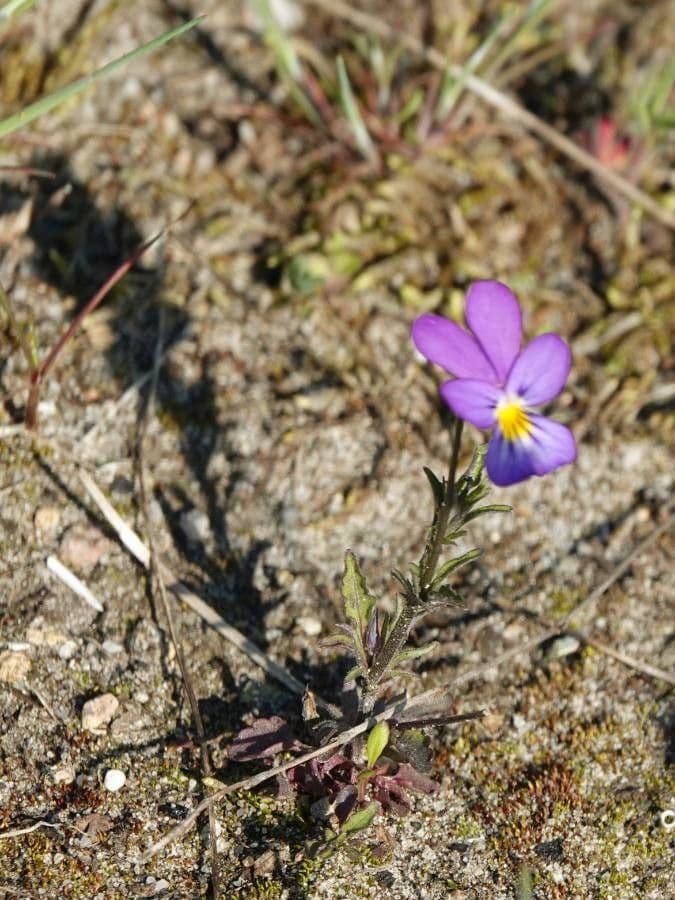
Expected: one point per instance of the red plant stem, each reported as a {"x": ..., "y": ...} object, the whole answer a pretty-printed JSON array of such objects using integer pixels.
[{"x": 38, "y": 374}]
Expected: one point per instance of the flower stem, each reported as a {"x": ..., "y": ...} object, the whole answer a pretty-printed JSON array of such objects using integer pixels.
[
  {"x": 432, "y": 551},
  {"x": 427, "y": 570}
]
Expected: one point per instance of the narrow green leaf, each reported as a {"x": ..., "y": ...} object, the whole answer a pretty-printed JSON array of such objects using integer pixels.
[
  {"x": 453, "y": 564},
  {"x": 413, "y": 653},
  {"x": 437, "y": 488},
  {"x": 377, "y": 741},
  {"x": 46, "y": 104},
  {"x": 358, "y": 127},
  {"x": 493, "y": 507},
  {"x": 360, "y": 819},
  {"x": 454, "y": 536},
  {"x": 12, "y": 7},
  {"x": 477, "y": 494}
]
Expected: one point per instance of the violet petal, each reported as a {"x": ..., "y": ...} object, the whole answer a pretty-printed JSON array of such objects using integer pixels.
[
  {"x": 507, "y": 462},
  {"x": 493, "y": 314},
  {"x": 540, "y": 371},
  {"x": 451, "y": 347},
  {"x": 548, "y": 446},
  {"x": 551, "y": 445},
  {"x": 472, "y": 400}
]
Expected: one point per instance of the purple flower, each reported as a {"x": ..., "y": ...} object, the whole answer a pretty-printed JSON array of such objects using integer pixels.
[{"x": 496, "y": 385}]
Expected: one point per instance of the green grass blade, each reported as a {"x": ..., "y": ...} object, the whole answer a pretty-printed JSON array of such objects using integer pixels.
[
  {"x": 453, "y": 87},
  {"x": 12, "y": 7},
  {"x": 46, "y": 104},
  {"x": 358, "y": 127}
]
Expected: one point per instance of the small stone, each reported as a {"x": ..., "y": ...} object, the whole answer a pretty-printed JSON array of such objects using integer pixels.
[
  {"x": 82, "y": 547},
  {"x": 68, "y": 649},
  {"x": 310, "y": 625},
  {"x": 564, "y": 645},
  {"x": 493, "y": 723},
  {"x": 141, "y": 697},
  {"x": 13, "y": 666},
  {"x": 98, "y": 712},
  {"x": 63, "y": 774},
  {"x": 112, "y": 648},
  {"x": 46, "y": 520},
  {"x": 114, "y": 780},
  {"x": 195, "y": 526},
  {"x": 264, "y": 864},
  {"x": 42, "y": 633},
  {"x": 161, "y": 885}
]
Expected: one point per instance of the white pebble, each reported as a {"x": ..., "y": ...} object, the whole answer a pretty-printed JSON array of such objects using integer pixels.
[
  {"x": 114, "y": 780},
  {"x": 309, "y": 625}
]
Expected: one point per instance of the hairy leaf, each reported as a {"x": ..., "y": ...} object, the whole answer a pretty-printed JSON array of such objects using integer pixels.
[{"x": 453, "y": 564}]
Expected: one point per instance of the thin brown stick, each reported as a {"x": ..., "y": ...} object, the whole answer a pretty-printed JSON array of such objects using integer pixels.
[
  {"x": 141, "y": 553},
  {"x": 500, "y": 101},
  {"x": 173, "y": 631},
  {"x": 620, "y": 568},
  {"x": 18, "y": 832},
  {"x": 39, "y": 374}
]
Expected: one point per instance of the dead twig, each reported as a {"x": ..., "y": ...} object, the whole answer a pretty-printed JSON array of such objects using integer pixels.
[
  {"x": 500, "y": 101},
  {"x": 207, "y": 770},
  {"x": 620, "y": 568},
  {"x": 18, "y": 832},
  {"x": 138, "y": 549}
]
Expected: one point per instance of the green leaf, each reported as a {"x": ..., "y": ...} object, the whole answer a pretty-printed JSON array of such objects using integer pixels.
[
  {"x": 453, "y": 536},
  {"x": 377, "y": 741},
  {"x": 437, "y": 488},
  {"x": 453, "y": 564},
  {"x": 449, "y": 594},
  {"x": 477, "y": 494},
  {"x": 358, "y": 127},
  {"x": 46, "y": 104},
  {"x": 360, "y": 819},
  {"x": 359, "y": 604},
  {"x": 413, "y": 653},
  {"x": 493, "y": 507}
]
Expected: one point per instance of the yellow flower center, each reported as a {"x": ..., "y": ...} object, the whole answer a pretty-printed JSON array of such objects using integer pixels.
[{"x": 513, "y": 420}]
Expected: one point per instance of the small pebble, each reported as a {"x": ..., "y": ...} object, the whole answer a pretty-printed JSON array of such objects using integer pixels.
[
  {"x": 195, "y": 526},
  {"x": 112, "y": 648},
  {"x": 46, "y": 519},
  {"x": 63, "y": 774},
  {"x": 161, "y": 885},
  {"x": 310, "y": 625},
  {"x": 41, "y": 633},
  {"x": 114, "y": 780},
  {"x": 98, "y": 712},
  {"x": 13, "y": 666},
  {"x": 564, "y": 645},
  {"x": 67, "y": 650},
  {"x": 82, "y": 547}
]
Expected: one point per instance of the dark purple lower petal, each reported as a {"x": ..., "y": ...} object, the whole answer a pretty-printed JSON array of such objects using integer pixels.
[
  {"x": 548, "y": 446},
  {"x": 472, "y": 400},
  {"x": 507, "y": 462}
]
